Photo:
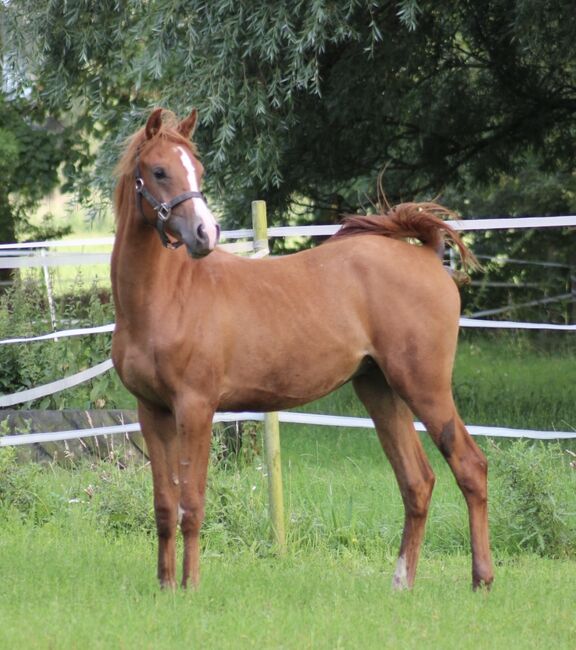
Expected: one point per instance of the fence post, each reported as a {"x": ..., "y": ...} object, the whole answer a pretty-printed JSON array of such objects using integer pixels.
[
  {"x": 271, "y": 421},
  {"x": 49, "y": 294},
  {"x": 260, "y": 225},
  {"x": 275, "y": 494}
]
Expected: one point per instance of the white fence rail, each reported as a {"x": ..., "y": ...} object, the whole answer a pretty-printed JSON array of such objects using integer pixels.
[
  {"x": 288, "y": 417},
  {"x": 34, "y": 254}
]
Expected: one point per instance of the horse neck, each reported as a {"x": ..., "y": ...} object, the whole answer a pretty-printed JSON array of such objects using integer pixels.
[{"x": 140, "y": 264}]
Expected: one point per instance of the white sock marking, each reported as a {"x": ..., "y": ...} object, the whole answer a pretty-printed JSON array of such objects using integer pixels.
[{"x": 400, "y": 580}]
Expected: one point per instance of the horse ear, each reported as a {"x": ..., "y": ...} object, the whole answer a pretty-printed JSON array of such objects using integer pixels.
[
  {"x": 154, "y": 123},
  {"x": 187, "y": 126}
]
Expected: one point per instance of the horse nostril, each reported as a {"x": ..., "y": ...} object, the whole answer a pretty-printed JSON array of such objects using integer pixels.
[{"x": 201, "y": 232}]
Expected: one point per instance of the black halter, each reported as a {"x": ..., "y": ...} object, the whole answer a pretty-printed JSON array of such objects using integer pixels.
[{"x": 163, "y": 210}]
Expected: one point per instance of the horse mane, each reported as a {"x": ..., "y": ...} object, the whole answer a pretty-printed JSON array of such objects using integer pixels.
[
  {"x": 135, "y": 145},
  {"x": 421, "y": 221}
]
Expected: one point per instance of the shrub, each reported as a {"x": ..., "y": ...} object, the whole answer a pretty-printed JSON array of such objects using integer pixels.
[
  {"x": 121, "y": 501},
  {"x": 532, "y": 500}
]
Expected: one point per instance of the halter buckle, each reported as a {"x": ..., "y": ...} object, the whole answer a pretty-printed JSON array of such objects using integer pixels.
[
  {"x": 139, "y": 184},
  {"x": 164, "y": 211}
]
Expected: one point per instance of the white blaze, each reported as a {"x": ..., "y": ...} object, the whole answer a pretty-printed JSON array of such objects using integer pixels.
[{"x": 200, "y": 207}]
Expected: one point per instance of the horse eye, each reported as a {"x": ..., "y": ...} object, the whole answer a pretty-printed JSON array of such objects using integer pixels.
[{"x": 159, "y": 173}]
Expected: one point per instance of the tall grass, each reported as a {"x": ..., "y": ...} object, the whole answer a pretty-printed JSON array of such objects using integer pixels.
[{"x": 340, "y": 492}]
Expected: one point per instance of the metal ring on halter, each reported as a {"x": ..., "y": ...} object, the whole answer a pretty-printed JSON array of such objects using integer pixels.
[{"x": 164, "y": 211}]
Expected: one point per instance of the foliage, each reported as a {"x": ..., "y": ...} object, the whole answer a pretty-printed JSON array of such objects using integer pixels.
[
  {"x": 304, "y": 104},
  {"x": 534, "y": 501},
  {"x": 121, "y": 501},
  {"x": 30, "y": 158},
  {"x": 313, "y": 99},
  {"x": 532, "y": 190},
  {"x": 24, "y": 312},
  {"x": 334, "y": 500}
]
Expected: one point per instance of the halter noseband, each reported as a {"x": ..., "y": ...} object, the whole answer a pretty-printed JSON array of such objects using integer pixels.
[{"x": 163, "y": 210}]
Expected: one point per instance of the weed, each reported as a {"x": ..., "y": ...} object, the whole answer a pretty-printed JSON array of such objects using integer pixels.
[
  {"x": 121, "y": 500},
  {"x": 532, "y": 497}
]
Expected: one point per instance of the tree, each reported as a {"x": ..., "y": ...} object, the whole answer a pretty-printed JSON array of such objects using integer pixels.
[
  {"x": 311, "y": 100},
  {"x": 32, "y": 149},
  {"x": 30, "y": 157}
]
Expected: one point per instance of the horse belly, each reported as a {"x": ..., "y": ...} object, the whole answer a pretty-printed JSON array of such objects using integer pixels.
[{"x": 286, "y": 381}]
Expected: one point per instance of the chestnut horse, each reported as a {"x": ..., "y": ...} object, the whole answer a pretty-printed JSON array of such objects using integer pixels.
[{"x": 208, "y": 330}]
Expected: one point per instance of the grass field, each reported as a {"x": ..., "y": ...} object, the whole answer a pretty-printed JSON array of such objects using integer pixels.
[
  {"x": 74, "y": 589},
  {"x": 78, "y": 555},
  {"x": 77, "y": 542}
]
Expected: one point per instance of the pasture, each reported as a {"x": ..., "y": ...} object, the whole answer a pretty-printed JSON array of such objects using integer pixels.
[
  {"x": 77, "y": 589},
  {"x": 78, "y": 544}
]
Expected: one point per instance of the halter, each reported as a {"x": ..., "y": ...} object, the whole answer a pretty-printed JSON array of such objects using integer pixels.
[{"x": 163, "y": 210}]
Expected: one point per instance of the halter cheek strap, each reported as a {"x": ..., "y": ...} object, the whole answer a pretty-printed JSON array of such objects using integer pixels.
[{"x": 163, "y": 209}]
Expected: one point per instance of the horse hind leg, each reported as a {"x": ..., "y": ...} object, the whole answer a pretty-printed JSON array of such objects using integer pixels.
[
  {"x": 470, "y": 468},
  {"x": 401, "y": 443},
  {"x": 427, "y": 390}
]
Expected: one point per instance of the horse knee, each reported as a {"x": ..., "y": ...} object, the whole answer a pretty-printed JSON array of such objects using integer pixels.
[
  {"x": 191, "y": 517},
  {"x": 473, "y": 477},
  {"x": 165, "y": 520}
]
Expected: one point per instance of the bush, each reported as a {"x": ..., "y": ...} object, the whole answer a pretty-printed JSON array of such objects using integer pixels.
[
  {"x": 121, "y": 501},
  {"x": 23, "y": 491},
  {"x": 533, "y": 492}
]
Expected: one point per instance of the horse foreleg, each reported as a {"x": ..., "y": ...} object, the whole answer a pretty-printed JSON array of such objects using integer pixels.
[
  {"x": 159, "y": 430},
  {"x": 194, "y": 420},
  {"x": 401, "y": 443}
]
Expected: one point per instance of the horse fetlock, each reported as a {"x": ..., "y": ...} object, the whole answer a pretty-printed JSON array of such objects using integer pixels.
[{"x": 400, "y": 578}]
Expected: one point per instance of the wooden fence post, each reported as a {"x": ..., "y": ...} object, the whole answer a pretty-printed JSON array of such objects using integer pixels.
[
  {"x": 260, "y": 225},
  {"x": 271, "y": 422}
]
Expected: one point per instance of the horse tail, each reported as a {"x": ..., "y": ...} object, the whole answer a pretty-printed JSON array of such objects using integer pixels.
[{"x": 422, "y": 221}]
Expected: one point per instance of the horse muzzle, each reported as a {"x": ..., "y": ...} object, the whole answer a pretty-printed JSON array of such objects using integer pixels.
[{"x": 199, "y": 235}]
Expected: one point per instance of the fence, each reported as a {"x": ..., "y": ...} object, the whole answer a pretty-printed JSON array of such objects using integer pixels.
[{"x": 35, "y": 255}]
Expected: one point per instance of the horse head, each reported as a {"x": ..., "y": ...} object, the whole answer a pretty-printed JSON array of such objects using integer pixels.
[{"x": 168, "y": 176}]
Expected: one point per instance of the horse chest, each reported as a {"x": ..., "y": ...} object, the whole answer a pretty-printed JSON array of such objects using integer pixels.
[{"x": 137, "y": 367}]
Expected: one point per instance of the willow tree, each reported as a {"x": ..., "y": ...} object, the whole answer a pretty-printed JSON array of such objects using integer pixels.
[{"x": 311, "y": 99}]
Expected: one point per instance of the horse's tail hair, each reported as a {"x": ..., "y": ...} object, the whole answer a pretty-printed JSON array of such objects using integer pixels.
[{"x": 422, "y": 221}]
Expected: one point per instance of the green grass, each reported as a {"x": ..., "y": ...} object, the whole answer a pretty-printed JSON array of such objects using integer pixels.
[
  {"x": 77, "y": 589},
  {"x": 517, "y": 380},
  {"x": 78, "y": 549},
  {"x": 78, "y": 554}
]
